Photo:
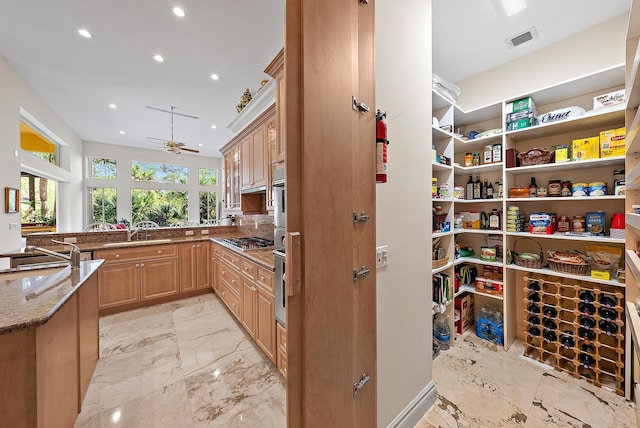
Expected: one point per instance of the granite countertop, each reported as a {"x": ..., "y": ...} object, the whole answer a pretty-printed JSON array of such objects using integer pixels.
[{"x": 31, "y": 301}]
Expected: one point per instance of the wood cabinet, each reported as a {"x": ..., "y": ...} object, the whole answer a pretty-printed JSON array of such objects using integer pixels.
[
  {"x": 271, "y": 135},
  {"x": 134, "y": 275},
  {"x": 252, "y": 158},
  {"x": 232, "y": 174},
  {"x": 276, "y": 70},
  {"x": 45, "y": 370},
  {"x": 247, "y": 289},
  {"x": 281, "y": 341},
  {"x": 194, "y": 264}
]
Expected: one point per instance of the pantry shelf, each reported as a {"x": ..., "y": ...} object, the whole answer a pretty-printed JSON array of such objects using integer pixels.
[
  {"x": 463, "y": 146},
  {"x": 438, "y": 200},
  {"x": 476, "y": 260},
  {"x": 633, "y": 220},
  {"x": 471, "y": 201},
  {"x": 545, "y": 271},
  {"x": 633, "y": 262},
  {"x": 568, "y": 198},
  {"x": 633, "y": 178},
  {"x": 441, "y": 167},
  {"x": 440, "y": 234},
  {"x": 593, "y": 119},
  {"x": 563, "y": 236},
  {"x": 489, "y": 167},
  {"x": 633, "y": 137},
  {"x": 442, "y": 268},
  {"x": 633, "y": 84},
  {"x": 564, "y": 166},
  {"x": 633, "y": 325},
  {"x": 479, "y": 231},
  {"x": 473, "y": 290}
]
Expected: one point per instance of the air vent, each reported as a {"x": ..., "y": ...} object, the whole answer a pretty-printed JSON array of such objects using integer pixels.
[{"x": 521, "y": 38}]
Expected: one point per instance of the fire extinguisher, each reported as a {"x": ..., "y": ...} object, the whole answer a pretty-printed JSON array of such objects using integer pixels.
[{"x": 381, "y": 147}]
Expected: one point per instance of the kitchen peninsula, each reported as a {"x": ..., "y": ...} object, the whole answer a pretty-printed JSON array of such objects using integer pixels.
[{"x": 48, "y": 343}]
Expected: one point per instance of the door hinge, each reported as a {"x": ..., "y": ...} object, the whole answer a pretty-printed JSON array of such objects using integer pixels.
[
  {"x": 357, "y": 386},
  {"x": 363, "y": 217},
  {"x": 364, "y": 271},
  {"x": 364, "y": 2},
  {"x": 358, "y": 105}
]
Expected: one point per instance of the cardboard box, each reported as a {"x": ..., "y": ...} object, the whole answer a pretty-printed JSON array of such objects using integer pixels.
[
  {"x": 464, "y": 305},
  {"x": 563, "y": 153},
  {"x": 609, "y": 99},
  {"x": 519, "y": 105},
  {"x": 601, "y": 274},
  {"x": 522, "y": 114},
  {"x": 542, "y": 223},
  {"x": 489, "y": 286},
  {"x": 470, "y": 220},
  {"x": 613, "y": 142},
  {"x": 521, "y": 124},
  {"x": 585, "y": 148}
]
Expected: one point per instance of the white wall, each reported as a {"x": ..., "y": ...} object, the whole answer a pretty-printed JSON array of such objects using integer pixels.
[
  {"x": 17, "y": 94},
  {"x": 594, "y": 49},
  {"x": 125, "y": 155},
  {"x": 403, "y": 210}
]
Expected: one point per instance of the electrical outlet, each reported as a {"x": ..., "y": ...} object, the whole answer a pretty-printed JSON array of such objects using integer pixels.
[
  {"x": 381, "y": 256},
  {"x": 71, "y": 240},
  {"x": 188, "y": 233},
  {"x": 204, "y": 232}
]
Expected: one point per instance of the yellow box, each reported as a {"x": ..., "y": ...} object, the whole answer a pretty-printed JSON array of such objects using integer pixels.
[
  {"x": 612, "y": 142},
  {"x": 585, "y": 148},
  {"x": 600, "y": 274}
]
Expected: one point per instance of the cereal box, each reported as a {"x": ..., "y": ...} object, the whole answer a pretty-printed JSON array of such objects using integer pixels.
[
  {"x": 608, "y": 99},
  {"x": 612, "y": 142},
  {"x": 585, "y": 148}
]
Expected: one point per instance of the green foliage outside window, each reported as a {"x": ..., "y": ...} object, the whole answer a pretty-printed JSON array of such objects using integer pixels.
[
  {"x": 207, "y": 177},
  {"x": 103, "y": 205},
  {"x": 102, "y": 168},
  {"x": 207, "y": 206},
  {"x": 159, "y": 173},
  {"x": 161, "y": 206}
]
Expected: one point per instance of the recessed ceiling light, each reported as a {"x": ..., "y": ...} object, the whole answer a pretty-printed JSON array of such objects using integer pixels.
[
  {"x": 213, "y": 126},
  {"x": 84, "y": 33},
  {"x": 113, "y": 106},
  {"x": 200, "y": 145},
  {"x": 177, "y": 11},
  {"x": 122, "y": 132},
  {"x": 215, "y": 76},
  {"x": 158, "y": 58}
]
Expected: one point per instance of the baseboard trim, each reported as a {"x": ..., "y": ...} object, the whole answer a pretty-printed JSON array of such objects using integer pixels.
[{"x": 412, "y": 414}]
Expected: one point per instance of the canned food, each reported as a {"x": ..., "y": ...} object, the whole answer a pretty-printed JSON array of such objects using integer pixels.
[
  {"x": 580, "y": 189},
  {"x": 542, "y": 192},
  {"x": 566, "y": 189},
  {"x": 563, "y": 224},
  {"x": 555, "y": 188},
  {"x": 476, "y": 159},
  {"x": 597, "y": 188},
  {"x": 579, "y": 224}
]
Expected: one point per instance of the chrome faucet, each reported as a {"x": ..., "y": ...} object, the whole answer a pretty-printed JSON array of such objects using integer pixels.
[
  {"x": 131, "y": 232},
  {"x": 73, "y": 257}
]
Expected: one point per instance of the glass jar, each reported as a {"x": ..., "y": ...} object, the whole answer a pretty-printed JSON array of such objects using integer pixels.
[
  {"x": 565, "y": 188},
  {"x": 468, "y": 159},
  {"x": 555, "y": 188},
  {"x": 476, "y": 159},
  {"x": 578, "y": 224}
]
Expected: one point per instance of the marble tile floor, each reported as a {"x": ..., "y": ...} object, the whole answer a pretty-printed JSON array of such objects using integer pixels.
[
  {"x": 181, "y": 364},
  {"x": 480, "y": 386}
]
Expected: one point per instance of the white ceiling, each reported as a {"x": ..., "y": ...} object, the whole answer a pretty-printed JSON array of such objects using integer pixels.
[{"x": 236, "y": 39}]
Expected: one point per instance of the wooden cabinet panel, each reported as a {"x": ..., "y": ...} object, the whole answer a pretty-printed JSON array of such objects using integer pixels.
[
  {"x": 158, "y": 278},
  {"x": 248, "y": 269},
  {"x": 232, "y": 258},
  {"x": 245, "y": 163},
  {"x": 281, "y": 346},
  {"x": 257, "y": 157},
  {"x": 136, "y": 253},
  {"x": 118, "y": 284},
  {"x": 56, "y": 368},
  {"x": 248, "y": 314},
  {"x": 266, "y": 324},
  {"x": 215, "y": 274},
  {"x": 203, "y": 267},
  {"x": 230, "y": 277},
  {"x": 280, "y": 97},
  {"x": 231, "y": 299},
  {"x": 187, "y": 263},
  {"x": 88, "y": 325},
  {"x": 264, "y": 278}
]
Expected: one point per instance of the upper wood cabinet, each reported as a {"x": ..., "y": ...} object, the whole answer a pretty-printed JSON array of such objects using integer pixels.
[
  {"x": 252, "y": 158},
  {"x": 276, "y": 70}
]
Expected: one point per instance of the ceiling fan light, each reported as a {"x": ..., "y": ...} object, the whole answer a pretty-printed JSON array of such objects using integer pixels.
[
  {"x": 178, "y": 11},
  {"x": 84, "y": 33}
]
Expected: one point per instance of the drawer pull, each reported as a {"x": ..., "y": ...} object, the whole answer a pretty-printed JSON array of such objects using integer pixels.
[
  {"x": 117, "y": 256},
  {"x": 141, "y": 264},
  {"x": 159, "y": 251}
]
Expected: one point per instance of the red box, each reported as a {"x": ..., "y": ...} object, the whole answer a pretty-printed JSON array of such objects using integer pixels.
[
  {"x": 489, "y": 286},
  {"x": 464, "y": 305}
]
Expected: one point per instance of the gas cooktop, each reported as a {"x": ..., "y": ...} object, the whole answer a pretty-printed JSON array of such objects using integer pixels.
[{"x": 252, "y": 243}]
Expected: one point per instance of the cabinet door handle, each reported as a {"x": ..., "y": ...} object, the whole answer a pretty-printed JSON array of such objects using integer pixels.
[
  {"x": 117, "y": 256},
  {"x": 137, "y": 264},
  {"x": 159, "y": 251},
  {"x": 142, "y": 264}
]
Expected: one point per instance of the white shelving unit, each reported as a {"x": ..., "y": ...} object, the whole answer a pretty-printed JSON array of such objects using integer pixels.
[{"x": 577, "y": 92}]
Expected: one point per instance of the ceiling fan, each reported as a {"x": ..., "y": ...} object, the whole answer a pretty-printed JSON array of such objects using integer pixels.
[{"x": 172, "y": 145}]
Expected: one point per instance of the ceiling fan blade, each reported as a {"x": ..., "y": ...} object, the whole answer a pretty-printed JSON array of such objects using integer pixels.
[
  {"x": 157, "y": 139},
  {"x": 172, "y": 112},
  {"x": 186, "y": 149}
]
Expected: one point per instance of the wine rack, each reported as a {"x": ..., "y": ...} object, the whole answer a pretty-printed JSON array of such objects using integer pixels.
[{"x": 577, "y": 327}]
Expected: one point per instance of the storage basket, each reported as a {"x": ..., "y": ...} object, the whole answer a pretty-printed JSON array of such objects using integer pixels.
[
  {"x": 528, "y": 260},
  {"x": 535, "y": 157},
  {"x": 436, "y": 264},
  {"x": 572, "y": 268}
]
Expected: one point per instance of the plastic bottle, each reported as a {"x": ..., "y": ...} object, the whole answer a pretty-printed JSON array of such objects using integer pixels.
[{"x": 441, "y": 331}]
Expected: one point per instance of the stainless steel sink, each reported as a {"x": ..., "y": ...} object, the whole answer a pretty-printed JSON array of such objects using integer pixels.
[
  {"x": 136, "y": 243},
  {"x": 29, "y": 273}
]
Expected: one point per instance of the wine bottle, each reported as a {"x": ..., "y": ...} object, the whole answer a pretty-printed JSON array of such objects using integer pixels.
[
  {"x": 477, "y": 188},
  {"x": 469, "y": 189},
  {"x": 490, "y": 191},
  {"x": 485, "y": 186}
]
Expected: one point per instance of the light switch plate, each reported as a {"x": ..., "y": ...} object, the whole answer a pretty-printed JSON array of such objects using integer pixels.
[
  {"x": 204, "y": 232},
  {"x": 381, "y": 256},
  {"x": 188, "y": 232},
  {"x": 71, "y": 240}
]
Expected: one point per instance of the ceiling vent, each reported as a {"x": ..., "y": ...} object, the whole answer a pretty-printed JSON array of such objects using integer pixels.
[{"x": 523, "y": 37}]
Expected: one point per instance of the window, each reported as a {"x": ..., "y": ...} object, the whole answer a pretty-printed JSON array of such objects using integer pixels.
[
  {"x": 35, "y": 143},
  {"x": 103, "y": 205},
  {"x": 207, "y": 177},
  {"x": 164, "y": 207},
  {"x": 102, "y": 168},
  {"x": 207, "y": 207},
  {"x": 159, "y": 173},
  {"x": 37, "y": 201}
]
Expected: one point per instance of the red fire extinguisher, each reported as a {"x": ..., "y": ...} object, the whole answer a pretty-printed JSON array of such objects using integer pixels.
[{"x": 381, "y": 147}]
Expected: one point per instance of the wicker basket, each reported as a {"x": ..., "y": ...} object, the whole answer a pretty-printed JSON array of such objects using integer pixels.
[
  {"x": 535, "y": 157},
  {"x": 528, "y": 260},
  {"x": 436, "y": 264},
  {"x": 572, "y": 268}
]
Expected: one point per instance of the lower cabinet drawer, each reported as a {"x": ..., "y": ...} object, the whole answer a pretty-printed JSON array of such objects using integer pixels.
[
  {"x": 230, "y": 277},
  {"x": 230, "y": 299},
  {"x": 281, "y": 363},
  {"x": 281, "y": 338}
]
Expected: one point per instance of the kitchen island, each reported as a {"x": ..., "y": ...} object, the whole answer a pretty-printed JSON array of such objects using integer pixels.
[{"x": 49, "y": 343}]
